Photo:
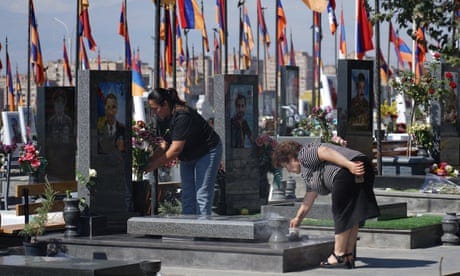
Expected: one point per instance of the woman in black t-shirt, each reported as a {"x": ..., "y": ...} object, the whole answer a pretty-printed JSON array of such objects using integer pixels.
[{"x": 194, "y": 142}]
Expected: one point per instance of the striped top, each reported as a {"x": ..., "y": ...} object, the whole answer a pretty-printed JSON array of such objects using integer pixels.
[{"x": 312, "y": 167}]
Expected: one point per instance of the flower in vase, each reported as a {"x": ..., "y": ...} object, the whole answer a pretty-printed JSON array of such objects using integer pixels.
[
  {"x": 325, "y": 121},
  {"x": 30, "y": 159},
  {"x": 144, "y": 143}
]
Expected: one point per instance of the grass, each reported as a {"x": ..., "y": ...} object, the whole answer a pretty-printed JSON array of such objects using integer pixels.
[{"x": 395, "y": 224}]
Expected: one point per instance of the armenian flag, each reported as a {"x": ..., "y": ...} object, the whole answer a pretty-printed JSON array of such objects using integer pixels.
[
  {"x": 189, "y": 14},
  {"x": 343, "y": 40},
  {"x": 363, "y": 31},
  {"x": 262, "y": 25},
  {"x": 35, "y": 49}
]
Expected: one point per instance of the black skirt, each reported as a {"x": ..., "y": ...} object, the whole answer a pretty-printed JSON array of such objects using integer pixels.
[{"x": 353, "y": 203}]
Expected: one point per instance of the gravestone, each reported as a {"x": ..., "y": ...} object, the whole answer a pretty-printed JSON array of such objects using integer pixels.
[
  {"x": 448, "y": 121},
  {"x": 56, "y": 130},
  {"x": 104, "y": 136},
  {"x": 242, "y": 177},
  {"x": 354, "y": 106}
]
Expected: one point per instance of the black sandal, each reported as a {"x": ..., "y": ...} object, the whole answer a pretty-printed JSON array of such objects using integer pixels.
[
  {"x": 350, "y": 263},
  {"x": 341, "y": 263}
]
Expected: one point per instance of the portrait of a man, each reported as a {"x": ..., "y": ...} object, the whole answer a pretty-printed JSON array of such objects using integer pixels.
[
  {"x": 241, "y": 121},
  {"x": 360, "y": 104}
]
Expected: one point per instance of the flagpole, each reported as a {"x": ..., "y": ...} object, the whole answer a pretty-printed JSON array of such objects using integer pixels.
[
  {"x": 157, "y": 51},
  {"x": 5, "y": 106},
  {"x": 258, "y": 41},
  {"x": 226, "y": 38},
  {"x": 313, "y": 88},
  {"x": 125, "y": 32},
  {"x": 28, "y": 70},
  {"x": 203, "y": 52},
  {"x": 277, "y": 100},
  {"x": 377, "y": 88},
  {"x": 240, "y": 22},
  {"x": 63, "y": 68},
  {"x": 388, "y": 70},
  {"x": 174, "y": 45}
]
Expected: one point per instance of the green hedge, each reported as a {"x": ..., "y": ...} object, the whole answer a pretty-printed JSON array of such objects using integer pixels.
[{"x": 396, "y": 224}]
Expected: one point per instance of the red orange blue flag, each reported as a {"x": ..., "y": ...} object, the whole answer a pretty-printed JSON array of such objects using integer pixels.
[
  {"x": 137, "y": 83},
  {"x": 363, "y": 30},
  {"x": 9, "y": 83},
  {"x": 35, "y": 49},
  {"x": 85, "y": 27},
  {"x": 67, "y": 64},
  {"x": 220, "y": 20},
  {"x": 19, "y": 100},
  {"x": 190, "y": 15},
  {"x": 180, "y": 48},
  {"x": 281, "y": 21},
  {"x": 83, "y": 56},
  {"x": 343, "y": 39},
  {"x": 262, "y": 25}
]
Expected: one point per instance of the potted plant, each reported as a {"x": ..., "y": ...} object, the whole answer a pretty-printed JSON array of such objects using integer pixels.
[
  {"x": 36, "y": 227},
  {"x": 32, "y": 163}
]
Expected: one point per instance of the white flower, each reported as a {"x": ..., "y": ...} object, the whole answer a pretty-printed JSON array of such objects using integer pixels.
[{"x": 92, "y": 173}]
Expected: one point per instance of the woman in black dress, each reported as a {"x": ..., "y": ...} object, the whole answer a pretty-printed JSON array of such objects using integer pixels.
[{"x": 346, "y": 174}]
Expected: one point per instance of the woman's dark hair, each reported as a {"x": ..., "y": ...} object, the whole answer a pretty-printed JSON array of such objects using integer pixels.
[
  {"x": 284, "y": 151},
  {"x": 169, "y": 95}
]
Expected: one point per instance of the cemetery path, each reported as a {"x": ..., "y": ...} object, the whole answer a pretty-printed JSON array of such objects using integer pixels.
[{"x": 408, "y": 262}]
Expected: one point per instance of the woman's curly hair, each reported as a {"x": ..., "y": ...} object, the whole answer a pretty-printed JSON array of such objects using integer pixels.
[{"x": 284, "y": 151}]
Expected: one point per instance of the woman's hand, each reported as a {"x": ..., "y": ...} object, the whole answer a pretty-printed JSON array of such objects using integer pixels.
[
  {"x": 295, "y": 222},
  {"x": 356, "y": 168}
]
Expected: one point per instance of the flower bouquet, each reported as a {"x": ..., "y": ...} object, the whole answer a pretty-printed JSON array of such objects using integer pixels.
[
  {"x": 422, "y": 135},
  {"x": 325, "y": 121},
  {"x": 144, "y": 143},
  {"x": 265, "y": 146},
  {"x": 4, "y": 151},
  {"x": 30, "y": 160},
  {"x": 441, "y": 179},
  {"x": 90, "y": 183}
]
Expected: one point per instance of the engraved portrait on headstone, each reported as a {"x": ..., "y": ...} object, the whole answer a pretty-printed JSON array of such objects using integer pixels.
[
  {"x": 242, "y": 134},
  {"x": 60, "y": 132},
  {"x": 111, "y": 115},
  {"x": 360, "y": 105}
]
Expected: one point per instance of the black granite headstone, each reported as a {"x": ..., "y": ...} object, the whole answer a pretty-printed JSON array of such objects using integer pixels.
[
  {"x": 242, "y": 178},
  {"x": 104, "y": 141},
  {"x": 56, "y": 120}
]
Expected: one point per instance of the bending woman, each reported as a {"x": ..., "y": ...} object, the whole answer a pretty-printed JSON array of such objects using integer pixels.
[
  {"x": 194, "y": 142},
  {"x": 346, "y": 174}
]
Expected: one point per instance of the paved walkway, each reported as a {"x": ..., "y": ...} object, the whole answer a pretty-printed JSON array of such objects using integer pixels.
[{"x": 372, "y": 261}]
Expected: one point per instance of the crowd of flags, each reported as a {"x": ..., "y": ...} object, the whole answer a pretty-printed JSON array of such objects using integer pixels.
[{"x": 188, "y": 16}]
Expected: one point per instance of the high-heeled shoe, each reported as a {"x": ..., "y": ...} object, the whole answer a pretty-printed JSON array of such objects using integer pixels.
[
  {"x": 350, "y": 263},
  {"x": 341, "y": 262}
]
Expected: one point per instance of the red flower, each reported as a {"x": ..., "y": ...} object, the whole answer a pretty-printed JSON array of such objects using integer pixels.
[
  {"x": 449, "y": 75},
  {"x": 431, "y": 91},
  {"x": 437, "y": 56},
  {"x": 452, "y": 85}
]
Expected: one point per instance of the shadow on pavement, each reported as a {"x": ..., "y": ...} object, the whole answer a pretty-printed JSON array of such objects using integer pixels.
[{"x": 392, "y": 263}]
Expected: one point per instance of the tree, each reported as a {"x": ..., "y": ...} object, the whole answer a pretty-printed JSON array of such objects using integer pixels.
[{"x": 438, "y": 18}]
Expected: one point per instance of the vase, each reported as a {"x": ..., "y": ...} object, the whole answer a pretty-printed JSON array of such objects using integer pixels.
[
  {"x": 422, "y": 151},
  {"x": 71, "y": 215},
  {"x": 164, "y": 175},
  {"x": 141, "y": 196},
  {"x": 279, "y": 227},
  {"x": 279, "y": 191},
  {"x": 450, "y": 228},
  {"x": 264, "y": 186},
  {"x": 33, "y": 177},
  {"x": 38, "y": 248}
]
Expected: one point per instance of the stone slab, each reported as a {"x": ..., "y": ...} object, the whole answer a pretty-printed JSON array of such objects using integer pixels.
[
  {"x": 16, "y": 265},
  {"x": 321, "y": 210},
  {"x": 208, "y": 254},
  {"x": 219, "y": 227}
]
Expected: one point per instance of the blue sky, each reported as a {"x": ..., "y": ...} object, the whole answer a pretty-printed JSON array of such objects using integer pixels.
[{"x": 104, "y": 18}]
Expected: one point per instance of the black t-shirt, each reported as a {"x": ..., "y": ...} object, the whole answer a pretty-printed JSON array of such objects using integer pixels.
[{"x": 187, "y": 125}]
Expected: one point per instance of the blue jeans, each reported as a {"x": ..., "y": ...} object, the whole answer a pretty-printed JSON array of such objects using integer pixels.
[{"x": 198, "y": 179}]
